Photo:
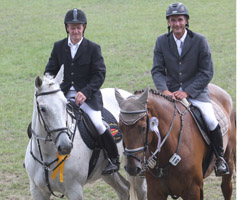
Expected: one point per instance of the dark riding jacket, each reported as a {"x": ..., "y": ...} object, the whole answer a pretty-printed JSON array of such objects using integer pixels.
[
  {"x": 192, "y": 70},
  {"x": 86, "y": 72}
]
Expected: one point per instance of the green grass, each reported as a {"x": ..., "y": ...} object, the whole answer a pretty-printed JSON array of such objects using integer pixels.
[{"x": 126, "y": 30}]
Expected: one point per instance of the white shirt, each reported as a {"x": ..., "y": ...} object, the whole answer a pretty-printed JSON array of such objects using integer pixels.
[
  {"x": 73, "y": 47},
  {"x": 180, "y": 42},
  {"x": 73, "y": 50}
]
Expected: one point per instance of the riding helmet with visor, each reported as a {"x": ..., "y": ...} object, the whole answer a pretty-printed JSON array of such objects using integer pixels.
[{"x": 177, "y": 9}]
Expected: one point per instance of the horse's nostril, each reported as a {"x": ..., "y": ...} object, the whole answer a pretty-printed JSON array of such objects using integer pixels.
[
  {"x": 63, "y": 150},
  {"x": 133, "y": 171},
  {"x": 138, "y": 170}
]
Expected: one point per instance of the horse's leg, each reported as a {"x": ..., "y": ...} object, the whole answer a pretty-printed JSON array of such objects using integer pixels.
[
  {"x": 201, "y": 194},
  {"x": 195, "y": 192},
  {"x": 120, "y": 184},
  {"x": 155, "y": 195},
  {"x": 38, "y": 194},
  {"x": 155, "y": 189},
  {"x": 226, "y": 184},
  {"x": 138, "y": 187},
  {"x": 74, "y": 192}
]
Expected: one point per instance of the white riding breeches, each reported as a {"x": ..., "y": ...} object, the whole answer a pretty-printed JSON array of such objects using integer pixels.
[
  {"x": 95, "y": 116},
  {"x": 207, "y": 112}
]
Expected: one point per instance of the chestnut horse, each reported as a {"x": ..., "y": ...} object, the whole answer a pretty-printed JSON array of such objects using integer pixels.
[{"x": 162, "y": 141}]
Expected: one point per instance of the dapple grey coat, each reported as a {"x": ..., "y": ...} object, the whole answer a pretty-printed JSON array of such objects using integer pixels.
[{"x": 192, "y": 71}]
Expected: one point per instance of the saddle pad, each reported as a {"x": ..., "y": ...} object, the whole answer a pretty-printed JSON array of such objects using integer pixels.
[
  {"x": 113, "y": 125},
  {"x": 221, "y": 118}
]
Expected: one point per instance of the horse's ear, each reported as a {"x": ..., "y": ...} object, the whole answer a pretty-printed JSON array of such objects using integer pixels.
[
  {"x": 38, "y": 82},
  {"x": 144, "y": 97},
  {"x": 118, "y": 96},
  {"x": 60, "y": 74}
]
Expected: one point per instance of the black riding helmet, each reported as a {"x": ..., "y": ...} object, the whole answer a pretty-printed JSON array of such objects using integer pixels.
[
  {"x": 177, "y": 9},
  {"x": 75, "y": 16}
]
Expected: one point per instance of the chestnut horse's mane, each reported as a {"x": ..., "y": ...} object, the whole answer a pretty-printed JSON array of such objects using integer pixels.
[{"x": 155, "y": 92}]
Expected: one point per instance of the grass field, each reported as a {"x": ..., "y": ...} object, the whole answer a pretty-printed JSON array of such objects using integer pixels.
[{"x": 126, "y": 31}]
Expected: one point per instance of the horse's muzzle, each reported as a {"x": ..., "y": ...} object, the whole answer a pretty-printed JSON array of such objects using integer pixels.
[
  {"x": 133, "y": 171},
  {"x": 64, "y": 149},
  {"x": 64, "y": 144},
  {"x": 133, "y": 166}
]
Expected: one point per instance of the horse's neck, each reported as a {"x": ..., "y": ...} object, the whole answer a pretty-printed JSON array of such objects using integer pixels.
[{"x": 163, "y": 110}]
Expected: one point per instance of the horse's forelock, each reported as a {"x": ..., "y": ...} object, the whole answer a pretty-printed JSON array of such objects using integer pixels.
[{"x": 49, "y": 80}]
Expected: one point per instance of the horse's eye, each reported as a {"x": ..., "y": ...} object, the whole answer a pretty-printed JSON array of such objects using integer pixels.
[
  {"x": 42, "y": 109},
  {"x": 143, "y": 129}
]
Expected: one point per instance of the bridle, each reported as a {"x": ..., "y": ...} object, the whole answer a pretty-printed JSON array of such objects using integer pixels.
[
  {"x": 146, "y": 163},
  {"x": 151, "y": 162},
  {"x": 48, "y": 138},
  {"x": 49, "y": 132}
]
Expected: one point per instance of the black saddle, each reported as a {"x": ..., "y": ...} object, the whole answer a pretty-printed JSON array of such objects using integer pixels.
[{"x": 88, "y": 132}]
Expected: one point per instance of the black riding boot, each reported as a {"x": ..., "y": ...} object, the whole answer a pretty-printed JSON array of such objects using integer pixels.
[
  {"x": 221, "y": 167},
  {"x": 109, "y": 145}
]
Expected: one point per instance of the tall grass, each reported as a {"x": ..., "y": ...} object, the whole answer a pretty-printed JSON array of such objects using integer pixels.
[{"x": 126, "y": 31}]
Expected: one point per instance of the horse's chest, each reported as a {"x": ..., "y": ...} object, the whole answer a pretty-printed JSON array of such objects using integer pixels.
[{"x": 38, "y": 175}]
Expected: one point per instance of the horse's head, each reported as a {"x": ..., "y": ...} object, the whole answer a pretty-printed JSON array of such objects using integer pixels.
[
  {"x": 50, "y": 113},
  {"x": 134, "y": 126}
]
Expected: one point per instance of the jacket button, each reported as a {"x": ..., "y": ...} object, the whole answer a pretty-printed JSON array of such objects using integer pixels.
[
  {"x": 72, "y": 64},
  {"x": 180, "y": 73},
  {"x": 72, "y": 82},
  {"x": 72, "y": 73},
  {"x": 180, "y": 63}
]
